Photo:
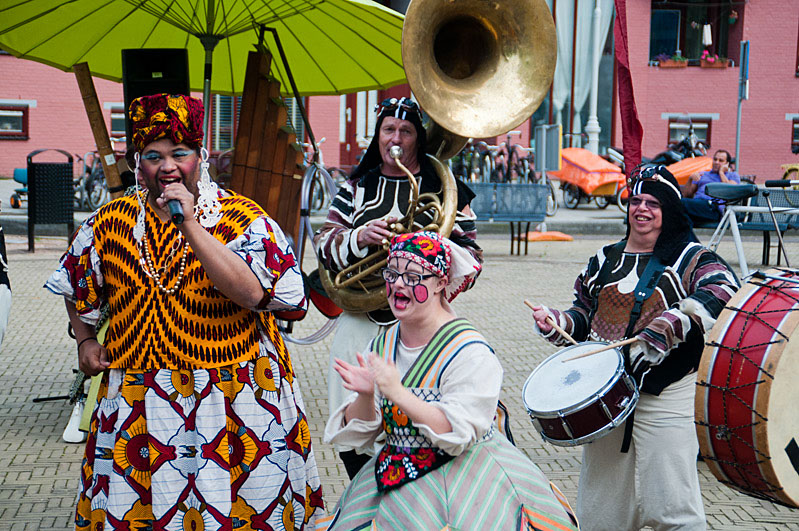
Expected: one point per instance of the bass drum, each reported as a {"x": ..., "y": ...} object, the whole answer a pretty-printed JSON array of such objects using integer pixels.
[{"x": 747, "y": 391}]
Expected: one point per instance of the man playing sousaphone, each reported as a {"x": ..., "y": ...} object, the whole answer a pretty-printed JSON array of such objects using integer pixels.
[
  {"x": 645, "y": 474},
  {"x": 359, "y": 221}
]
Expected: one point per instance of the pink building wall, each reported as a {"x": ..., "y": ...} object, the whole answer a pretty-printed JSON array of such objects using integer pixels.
[
  {"x": 772, "y": 29},
  {"x": 58, "y": 119},
  {"x": 323, "y": 113}
]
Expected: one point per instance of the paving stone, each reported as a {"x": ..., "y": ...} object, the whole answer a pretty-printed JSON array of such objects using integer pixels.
[{"x": 39, "y": 472}]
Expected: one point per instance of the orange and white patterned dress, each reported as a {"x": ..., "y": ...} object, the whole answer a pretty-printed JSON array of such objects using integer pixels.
[{"x": 199, "y": 422}]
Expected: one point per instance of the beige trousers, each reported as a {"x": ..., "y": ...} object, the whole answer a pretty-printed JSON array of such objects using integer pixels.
[{"x": 656, "y": 483}]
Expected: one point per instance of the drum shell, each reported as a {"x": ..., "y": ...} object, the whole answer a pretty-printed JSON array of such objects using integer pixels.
[
  {"x": 746, "y": 392},
  {"x": 590, "y": 418}
]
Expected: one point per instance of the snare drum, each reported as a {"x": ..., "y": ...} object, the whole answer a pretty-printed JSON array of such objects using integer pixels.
[
  {"x": 748, "y": 391},
  {"x": 575, "y": 402}
]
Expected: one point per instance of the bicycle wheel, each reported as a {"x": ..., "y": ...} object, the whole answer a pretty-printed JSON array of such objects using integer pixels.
[
  {"x": 319, "y": 200},
  {"x": 621, "y": 198},
  {"x": 571, "y": 195},
  {"x": 552, "y": 199},
  {"x": 602, "y": 201},
  {"x": 500, "y": 173},
  {"x": 96, "y": 189},
  {"x": 791, "y": 174}
]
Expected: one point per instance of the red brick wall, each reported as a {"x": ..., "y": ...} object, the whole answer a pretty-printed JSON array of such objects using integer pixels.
[
  {"x": 774, "y": 90},
  {"x": 59, "y": 118},
  {"x": 323, "y": 112}
]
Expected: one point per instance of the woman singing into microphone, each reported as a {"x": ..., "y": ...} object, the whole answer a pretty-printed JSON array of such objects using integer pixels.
[{"x": 199, "y": 420}]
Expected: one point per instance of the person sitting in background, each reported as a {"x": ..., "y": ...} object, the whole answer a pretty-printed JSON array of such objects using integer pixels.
[{"x": 701, "y": 207}]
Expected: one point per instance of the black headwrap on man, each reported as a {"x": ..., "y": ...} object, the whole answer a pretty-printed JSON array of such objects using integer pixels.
[
  {"x": 406, "y": 109},
  {"x": 677, "y": 229}
]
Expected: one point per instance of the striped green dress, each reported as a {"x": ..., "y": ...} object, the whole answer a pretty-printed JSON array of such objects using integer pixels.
[{"x": 411, "y": 484}]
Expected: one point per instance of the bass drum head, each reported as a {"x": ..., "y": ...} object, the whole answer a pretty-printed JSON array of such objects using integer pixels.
[
  {"x": 748, "y": 390},
  {"x": 556, "y": 385}
]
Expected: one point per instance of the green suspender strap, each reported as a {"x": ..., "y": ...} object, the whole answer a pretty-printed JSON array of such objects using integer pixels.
[{"x": 440, "y": 351}]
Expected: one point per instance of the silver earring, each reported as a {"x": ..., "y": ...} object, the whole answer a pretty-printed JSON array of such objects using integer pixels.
[
  {"x": 138, "y": 230},
  {"x": 208, "y": 202}
]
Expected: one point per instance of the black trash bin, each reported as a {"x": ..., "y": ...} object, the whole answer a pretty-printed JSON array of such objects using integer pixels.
[{"x": 50, "y": 193}]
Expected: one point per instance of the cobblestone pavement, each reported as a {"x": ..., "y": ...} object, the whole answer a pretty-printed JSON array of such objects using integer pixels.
[{"x": 39, "y": 472}]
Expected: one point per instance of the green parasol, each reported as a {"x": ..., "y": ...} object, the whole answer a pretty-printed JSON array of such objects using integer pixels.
[{"x": 332, "y": 46}]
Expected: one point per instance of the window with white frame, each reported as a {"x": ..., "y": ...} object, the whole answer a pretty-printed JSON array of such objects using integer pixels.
[
  {"x": 295, "y": 117},
  {"x": 679, "y": 128},
  {"x": 225, "y": 120},
  {"x": 14, "y": 122},
  {"x": 117, "y": 121},
  {"x": 795, "y": 137}
]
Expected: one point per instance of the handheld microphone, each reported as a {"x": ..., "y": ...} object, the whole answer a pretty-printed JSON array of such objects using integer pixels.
[{"x": 175, "y": 211}]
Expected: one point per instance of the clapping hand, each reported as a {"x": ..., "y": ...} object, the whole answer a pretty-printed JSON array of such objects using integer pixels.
[
  {"x": 356, "y": 378},
  {"x": 386, "y": 376}
]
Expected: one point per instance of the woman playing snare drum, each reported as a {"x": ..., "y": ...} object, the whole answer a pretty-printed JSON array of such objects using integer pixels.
[
  {"x": 430, "y": 386},
  {"x": 645, "y": 473}
]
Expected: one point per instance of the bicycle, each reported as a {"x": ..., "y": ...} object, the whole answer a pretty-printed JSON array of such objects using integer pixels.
[
  {"x": 470, "y": 165},
  {"x": 506, "y": 159},
  {"x": 91, "y": 191},
  {"x": 321, "y": 197},
  {"x": 91, "y": 188}
]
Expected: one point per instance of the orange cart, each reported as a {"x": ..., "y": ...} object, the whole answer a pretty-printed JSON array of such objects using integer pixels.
[{"x": 584, "y": 175}]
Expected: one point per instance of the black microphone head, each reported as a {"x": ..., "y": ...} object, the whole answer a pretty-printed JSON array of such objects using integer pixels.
[{"x": 175, "y": 211}]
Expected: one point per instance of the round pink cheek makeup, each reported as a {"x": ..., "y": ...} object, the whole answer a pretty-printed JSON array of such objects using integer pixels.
[{"x": 420, "y": 292}]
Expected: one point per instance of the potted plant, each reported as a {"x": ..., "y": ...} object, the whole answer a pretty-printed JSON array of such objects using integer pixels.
[
  {"x": 671, "y": 61},
  {"x": 708, "y": 60}
]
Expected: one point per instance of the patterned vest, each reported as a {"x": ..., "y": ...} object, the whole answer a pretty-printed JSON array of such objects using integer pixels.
[
  {"x": 407, "y": 454},
  {"x": 196, "y": 326}
]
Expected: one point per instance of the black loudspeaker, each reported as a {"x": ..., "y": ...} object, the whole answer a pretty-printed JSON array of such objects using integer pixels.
[{"x": 153, "y": 71}]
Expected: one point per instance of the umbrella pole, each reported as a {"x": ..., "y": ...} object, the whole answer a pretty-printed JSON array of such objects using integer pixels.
[
  {"x": 294, "y": 91},
  {"x": 209, "y": 43}
]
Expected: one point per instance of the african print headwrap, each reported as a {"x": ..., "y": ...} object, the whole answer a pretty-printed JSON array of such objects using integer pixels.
[
  {"x": 177, "y": 117},
  {"x": 440, "y": 256}
]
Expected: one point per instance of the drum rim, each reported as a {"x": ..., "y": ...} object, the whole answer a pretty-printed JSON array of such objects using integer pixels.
[
  {"x": 615, "y": 423},
  {"x": 589, "y": 399}
]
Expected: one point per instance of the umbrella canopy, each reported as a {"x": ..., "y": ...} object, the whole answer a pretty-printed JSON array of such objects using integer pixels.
[{"x": 332, "y": 46}]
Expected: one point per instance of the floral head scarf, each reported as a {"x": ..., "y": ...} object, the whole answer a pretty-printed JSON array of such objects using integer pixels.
[
  {"x": 177, "y": 117},
  {"x": 440, "y": 256}
]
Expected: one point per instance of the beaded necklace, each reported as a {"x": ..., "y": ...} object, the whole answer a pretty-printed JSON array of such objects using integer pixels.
[{"x": 155, "y": 273}]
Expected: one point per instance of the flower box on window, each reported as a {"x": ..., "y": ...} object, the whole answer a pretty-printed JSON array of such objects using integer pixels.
[
  {"x": 672, "y": 63},
  {"x": 718, "y": 63}
]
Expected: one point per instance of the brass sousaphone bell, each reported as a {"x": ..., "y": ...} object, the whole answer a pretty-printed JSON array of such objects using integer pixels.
[{"x": 478, "y": 68}]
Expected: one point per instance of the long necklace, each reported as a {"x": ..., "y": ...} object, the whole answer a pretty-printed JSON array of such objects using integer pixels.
[{"x": 155, "y": 273}]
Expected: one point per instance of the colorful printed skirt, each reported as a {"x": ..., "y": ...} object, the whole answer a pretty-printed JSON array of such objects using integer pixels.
[
  {"x": 493, "y": 485},
  {"x": 225, "y": 448}
]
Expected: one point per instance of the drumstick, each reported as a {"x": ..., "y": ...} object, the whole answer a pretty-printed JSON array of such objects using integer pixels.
[
  {"x": 553, "y": 325},
  {"x": 602, "y": 349}
]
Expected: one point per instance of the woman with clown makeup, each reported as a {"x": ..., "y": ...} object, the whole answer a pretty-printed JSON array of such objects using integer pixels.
[
  {"x": 199, "y": 421},
  {"x": 428, "y": 387}
]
